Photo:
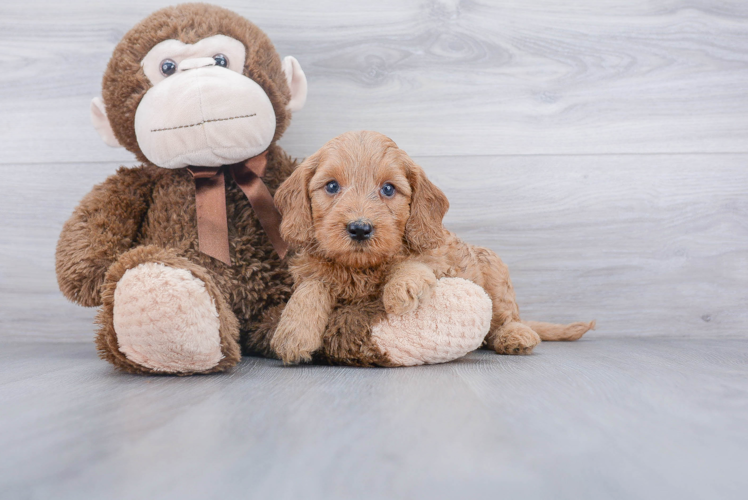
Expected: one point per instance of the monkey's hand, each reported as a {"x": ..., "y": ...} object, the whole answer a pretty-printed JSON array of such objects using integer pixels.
[
  {"x": 302, "y": 324},
  {"x": 102, "y": 227},
  {"x": 410, "y": 284}
]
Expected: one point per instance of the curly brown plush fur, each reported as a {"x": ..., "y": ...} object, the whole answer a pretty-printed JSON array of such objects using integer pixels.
[
  {"x": 147, "y": 214},
  {"x": 397, "y": 266}
]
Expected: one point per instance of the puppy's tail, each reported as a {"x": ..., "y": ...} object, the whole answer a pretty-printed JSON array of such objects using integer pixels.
[{"x": 551, "y": 331}]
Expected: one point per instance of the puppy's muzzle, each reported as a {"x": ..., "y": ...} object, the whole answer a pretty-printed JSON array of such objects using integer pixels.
[{"x": 360, "y": 230}]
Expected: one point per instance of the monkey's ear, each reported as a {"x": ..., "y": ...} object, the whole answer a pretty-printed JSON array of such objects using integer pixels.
[
  {"x": 428, "y": 205},
  {"x": 296, "y": 80},
  {"x": 101, "y": 123},
  {"x": 292, "y": 200}
]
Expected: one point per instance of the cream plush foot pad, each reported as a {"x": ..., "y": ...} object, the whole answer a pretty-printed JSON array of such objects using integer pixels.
[
  {"x": 165, "y": 320},
  {"x": 451, "y": 324}
]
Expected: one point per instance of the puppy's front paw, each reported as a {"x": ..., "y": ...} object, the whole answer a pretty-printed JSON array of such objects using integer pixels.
[
  {"x": 403, "y": 294},
  {"x": 293, "y": 343},
  {"x": 515, "y": 338}
]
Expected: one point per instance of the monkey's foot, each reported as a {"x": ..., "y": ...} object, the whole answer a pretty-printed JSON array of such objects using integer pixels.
[
  {"x": 453, "y": 322},
  {"x": 165, "y": 320}
]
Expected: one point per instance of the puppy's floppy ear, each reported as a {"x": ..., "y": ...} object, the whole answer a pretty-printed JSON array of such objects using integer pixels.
[
  {"x": 428, "y": 205},
  {"x": 292, "y": 200}
]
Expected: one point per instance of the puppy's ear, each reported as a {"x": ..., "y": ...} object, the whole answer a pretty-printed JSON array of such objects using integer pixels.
[
  {"x": 428, "y": 205},
  {"x": 292, "y": 200}
]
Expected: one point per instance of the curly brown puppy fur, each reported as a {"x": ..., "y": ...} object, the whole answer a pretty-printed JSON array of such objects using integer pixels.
[{"x": 368, "y": 224}]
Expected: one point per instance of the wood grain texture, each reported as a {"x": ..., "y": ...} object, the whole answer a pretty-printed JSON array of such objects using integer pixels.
[
  {"x": 599, "y": 418},
  {"x": 648, "y": 245},
  {"x": 442, "y": 77}
]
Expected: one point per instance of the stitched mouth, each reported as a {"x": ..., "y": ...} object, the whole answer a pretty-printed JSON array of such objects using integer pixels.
[{"x": 203, "y": 122}]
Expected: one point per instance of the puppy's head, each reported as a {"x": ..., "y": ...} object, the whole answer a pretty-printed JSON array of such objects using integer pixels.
[{"x": 359, "y": 200}]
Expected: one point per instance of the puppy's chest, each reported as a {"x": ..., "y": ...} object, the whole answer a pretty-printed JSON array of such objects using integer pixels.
[
  {"x": 348, "y": 286},
  {"x": 358, "y": 287}
]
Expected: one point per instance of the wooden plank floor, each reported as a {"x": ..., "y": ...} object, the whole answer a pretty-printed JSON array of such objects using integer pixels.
[{"x": 599, "y": 418}]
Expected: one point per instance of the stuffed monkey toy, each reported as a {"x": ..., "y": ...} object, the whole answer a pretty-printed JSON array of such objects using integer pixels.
[{"x": 182, "y": 254}]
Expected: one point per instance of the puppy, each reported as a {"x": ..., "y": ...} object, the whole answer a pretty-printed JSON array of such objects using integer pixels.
[{"x": 367, "y": 224}]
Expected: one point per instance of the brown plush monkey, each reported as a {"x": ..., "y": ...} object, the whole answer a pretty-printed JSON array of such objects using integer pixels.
[{"x": 193, "y": 85}]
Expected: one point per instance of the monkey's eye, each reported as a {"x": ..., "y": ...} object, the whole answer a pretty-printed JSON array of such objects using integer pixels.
[
  {"x": 332, "y": 187},
  {"x": 388, "y": 190},
  {"x": 168, "y": 67},
  {"x": 221, "y": 60}
]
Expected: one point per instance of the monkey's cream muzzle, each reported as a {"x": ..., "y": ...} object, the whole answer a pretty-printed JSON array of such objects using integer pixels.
[{"x": 204, "y": 115}]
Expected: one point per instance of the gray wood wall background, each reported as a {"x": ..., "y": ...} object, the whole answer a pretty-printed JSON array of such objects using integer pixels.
[{"x": 599, "y": 146}]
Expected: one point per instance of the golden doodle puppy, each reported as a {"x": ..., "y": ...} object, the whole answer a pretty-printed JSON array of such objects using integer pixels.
[{"x": 367, "y": 222}]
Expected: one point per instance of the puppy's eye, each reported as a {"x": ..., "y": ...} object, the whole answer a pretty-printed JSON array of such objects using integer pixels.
[
  {"x": 168, "y": 67},
  {"x": 221, "y": 60},
  {"x": 332, "y": 187},
  {"x": 388, "y": 190}
]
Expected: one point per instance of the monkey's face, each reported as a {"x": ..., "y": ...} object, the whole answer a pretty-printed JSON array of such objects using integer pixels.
[
  {"x": 197, "y": 85},
  {"x": 201, "y": 109}
]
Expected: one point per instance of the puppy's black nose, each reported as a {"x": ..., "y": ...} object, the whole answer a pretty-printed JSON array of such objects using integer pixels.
[{"x": 359, "y": 230}]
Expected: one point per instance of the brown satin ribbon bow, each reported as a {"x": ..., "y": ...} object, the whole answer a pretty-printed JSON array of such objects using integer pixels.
[{"x": 210, "y": 198}]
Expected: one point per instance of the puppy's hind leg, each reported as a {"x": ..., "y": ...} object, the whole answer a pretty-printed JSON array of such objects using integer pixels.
[
  {"x": 507, "y": 335},
  {"x": 513, "y": 338}
]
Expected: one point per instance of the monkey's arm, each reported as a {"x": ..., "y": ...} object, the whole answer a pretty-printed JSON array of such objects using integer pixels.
[
  {"x": 101, "y": 228},
  {"x": 303, "y": 322}
]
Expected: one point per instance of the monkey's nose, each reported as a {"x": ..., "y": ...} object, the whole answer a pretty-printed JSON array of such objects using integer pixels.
[
  {"x": 196, "y": 62},
  {"x": 359, "y": 230}
]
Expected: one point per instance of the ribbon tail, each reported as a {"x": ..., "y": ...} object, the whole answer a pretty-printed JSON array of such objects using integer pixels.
[
  {"x": 270, "y": 219},
  {"x": 212, "y": 226},
  {"x": 248, "y": 178}
]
